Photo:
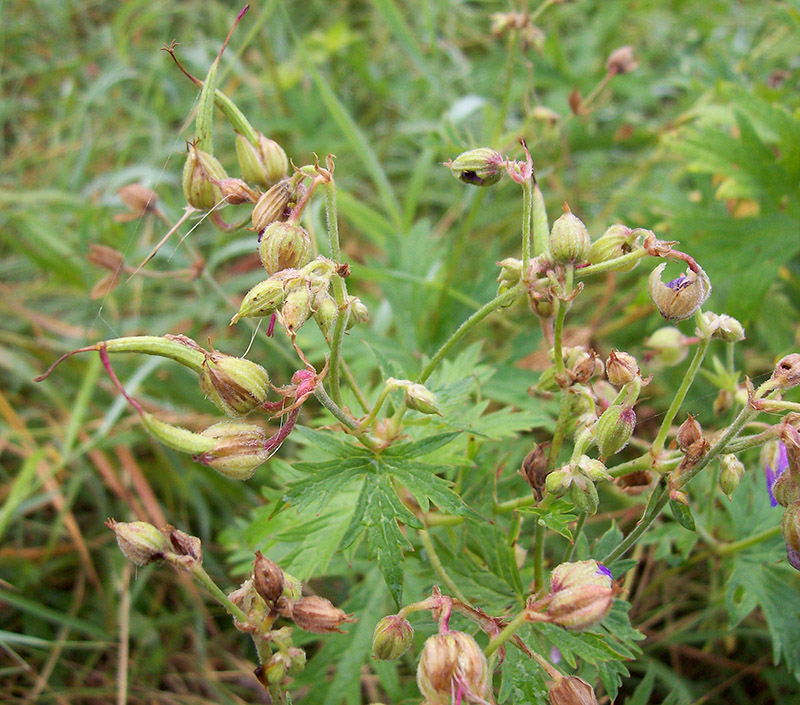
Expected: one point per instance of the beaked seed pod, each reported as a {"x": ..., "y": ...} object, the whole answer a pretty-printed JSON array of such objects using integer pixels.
[
  {"x": 569, "y": 239},
  {"x": 267, "y": 578},
  {"x": 239, "y": 448},
  {"x": 200, "y": 174},
  {"x": 614, "y": 429},
  {"x": 571, "y": 690},
  {"x": 140, "y": 542},
  {"x": 680, "y": 298},
  {"x": 615, "y": 242},
  {"x": 392, "y": 638},
  {"x": 621, "y": 368},
  {"x": 318, "y": 615},
  {"x": 478, "y": 167},
  {"x": 452, "y": 663},
  {"x": 235, "y": 385},
  {"x": 273, "y": 205},
  {"x": 284, "y": 246},
  {"x": 264, "y": 164},
  {"x": 580, "y": 607},
  {"x": 262, "y": 300}
]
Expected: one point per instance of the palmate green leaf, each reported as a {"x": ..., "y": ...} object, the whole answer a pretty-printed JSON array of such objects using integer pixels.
[
  {"x": 327, "y": 479},
  {"x": 421, "y": 480},
  {"x": 491, "y": 543},
  {"x": 557, "y": 517},
  {"x": 523, "y": 681},
  {"x": 417, "y": 449},
  {"x": 334, "y": 446},
  {"x": 774, "y": 589}
]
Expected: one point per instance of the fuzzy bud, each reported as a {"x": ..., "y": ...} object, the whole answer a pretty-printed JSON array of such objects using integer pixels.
[
  {"x": 267, "y": 578},
  {"x": 420, "y": 398},
  {"x": 571, "y": 690},
  {"x": 721, "y": 327},
  {"x": 201, "y": 175},
  {"x": 297, "y": 660},
  {"x": 569, "y": 239},
  {"x": 284, "y": 246},
  {"x": 787, "y": 372},
  {"x": 614, "y": 429},
  {"x": 392, "y": 638},
  {"x": 452, "y": 663},
  {"x": 615, "y": 242},
  {"x": 235, "y": 385},
  {"x": 262, "y": 300},
  {"x": 325, "y": 312},
  {"x": 239, "y": 448},
  {"x": 264, "y": 164},
  {"x": 316, "y": 614},
  {"x": 578, "y": 573},
  {"x": 140, "y": 542},
  {"x": 580, "y": 607},
  {"x": 359, "y": 313},
  {"x": 292, "y": 588},
  {"x": 669, "y": 347},
  {"x": 731, "y": 473},
  {"x": 296, "y": 308},
  {"x": 273, "y": 206},
  {"x": 479, "y": 167},
  {"x": 621, "y": 368},
  {"x": 680, "y": 298}
]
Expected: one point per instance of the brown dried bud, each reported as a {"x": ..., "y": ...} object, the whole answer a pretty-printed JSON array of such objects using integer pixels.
[
  {"x": 185, "y": 544},
  {"x": 236, "y": 191},
  {"x": 534, "y": 468},
  {"x": 689, "y": 433},
  {"x": 273, "y": 205},
  {"x": 318, "y": 615},
  {"x": 140, "y": 542},
  {"x": 138, "y": 198},
  {"x": 621, "y": 61},
  {"x": 267, "y": 578},
  {"x": 621, "y": 368},
  {"x": 634, "y": 483},
  {"x": 105, "y": 257},
  {"x": 787, "y": 372},
  {"x": 571, "y": 690}
]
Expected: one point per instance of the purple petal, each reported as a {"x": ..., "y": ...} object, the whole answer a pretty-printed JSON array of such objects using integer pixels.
[
  {"x": 602, "y": 570},
  {"x": 681, "y": 282},
  {"x": 773, "y": 475}
]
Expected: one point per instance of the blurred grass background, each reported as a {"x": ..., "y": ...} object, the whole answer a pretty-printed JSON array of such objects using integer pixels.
[{"x": 393, "y": 88}]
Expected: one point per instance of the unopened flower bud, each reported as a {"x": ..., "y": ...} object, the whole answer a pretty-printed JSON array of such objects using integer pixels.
[
  {"x": 615, "y": 242},
  {"x": 239, "y": 448},
  {"x": 297, "y": 660},
  {"x": 621, "y": 368},
  {"x": 731, "y": 473},
  {"x": 296, "y": 308},
  {"x": 571, "y": 690},
  {"x": 510, "y": 272},
  {"x": 292, "y": 588},
  {"x": 452, "y": 663},
  {"x": 325, "y": 312},
  {"x": 614, "y": 429},
  {"x": 264, "y": 164},
  {"x": 262, "y": 300},
  {"x": 479, "y": 167},
  {"x": 669, "y": 347},
  {"x": 140, "y": 542},
  {"x": 275, "y": 668},
  {"x": 267, "y": 578},
  {"x": 569, "y": 239},
  {"x": 721, "y": 327},
  {"x": 284, "y": 246},
  {"x": 318, "y": 615},
  {"x": 273, "y": 205},
  {"x": 689, "y": 433},
  {"x": 359, "y": 313},
  {"x": 201, "y": 173},
  {"x": 790, "y": 526},
  {"x": 775, "y": 462},
  {"x": 420, "y": 398},
  {"x": 578, "y": 573},
  {"x": 235, "y": 385},
  {"x": 680, "y": 298},
  {"x": 580, "y": 607},
  {"x": 583, "y": 494},
  {"x": 392, "y": 638},
  {"x": 621, "y": 61},
  {"x": 592, "y": 469},
  {"x": 787, "y": 372}
]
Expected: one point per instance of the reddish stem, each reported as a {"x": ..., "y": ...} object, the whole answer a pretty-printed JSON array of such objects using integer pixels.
[
  {"x": 61, "y": 359},
  {"x": 107, "y": 364}
]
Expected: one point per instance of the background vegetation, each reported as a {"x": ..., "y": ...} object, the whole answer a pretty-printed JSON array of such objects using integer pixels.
[{"x": 701, "y": 144}]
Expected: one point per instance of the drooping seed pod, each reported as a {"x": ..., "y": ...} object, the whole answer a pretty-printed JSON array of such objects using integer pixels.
[
  {"x": 238, "y": 449},
  {"x": 721, "y": 327},
  {"x": 235, "y": 385},
  {"x": 140, "y": 542},
  {"x": 201, "y": 174},
  {"x": 284, "y": 246},
  {"x": 569, "y": 239},
  {"x": 478, "y": 167},
  {"x": 264, "y": 164},
  {"x": 392, "y": 638},
  {"x": 318, "y": 615},
  {"x": 680, "y": 298},
  {"x": 358, "y": 311},
  {"x": 296, "y": 309}
]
